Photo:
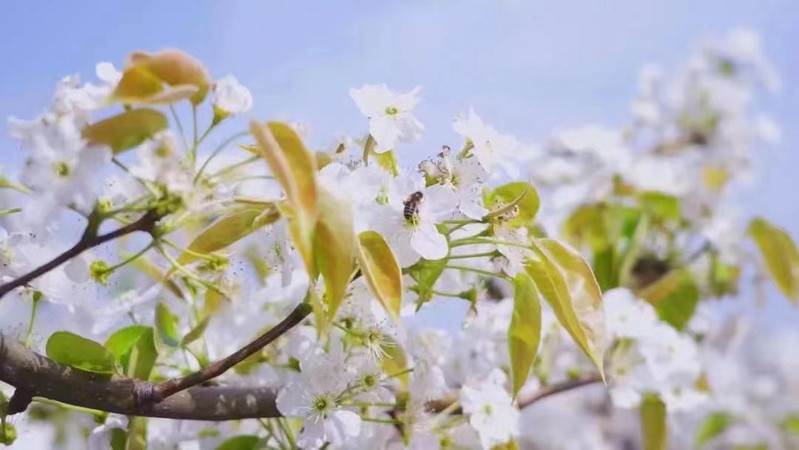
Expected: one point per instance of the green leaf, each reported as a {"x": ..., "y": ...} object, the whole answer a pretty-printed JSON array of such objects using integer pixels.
[
  {"x": 196, "y": 332},
  {"x": 76, "y": 351},
  {"x": 566, "y": 281},
  {"x": 122, "y": 341},
  {"x": 126, "y": 130},
  {"x": 143, "y": 356},
  {"x": 713, "y": 425},
  {"x": 780, "y": 254},
  {"x": 518, "y": 193},
  {"x": 653, "y": 423},
  {"x": 151, "y": 270},
  {"x": 334, "y": 248},
  {"x": 166, "y": 325},
  {"x": 295, "y": 168},
  {"x": 229, "y": 229},
  {"x": 243, "y": 442},
  {"x": 524, "y": 333},
  {"x": 426, "y": 273},
  {"x": 790, "y": 424},
  {"x": 679, "y": 305},
  {"x": 660, "y": 206},
  {"x": 118, "y": 438},
  {"x": 381, "y": 270}
]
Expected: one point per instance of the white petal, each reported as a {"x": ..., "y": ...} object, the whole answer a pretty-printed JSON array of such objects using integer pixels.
[{"x": 428, "y": 242}]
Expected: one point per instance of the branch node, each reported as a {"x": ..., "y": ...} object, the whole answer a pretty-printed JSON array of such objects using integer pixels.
[{"x": 145, "y": 394}]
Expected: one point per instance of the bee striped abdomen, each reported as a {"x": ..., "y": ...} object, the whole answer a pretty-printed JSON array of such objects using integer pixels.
[{"x": 412, "y": 203}]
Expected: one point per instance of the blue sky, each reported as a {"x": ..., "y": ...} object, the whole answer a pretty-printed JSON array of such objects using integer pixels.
[{"x": 527, "y": 67}]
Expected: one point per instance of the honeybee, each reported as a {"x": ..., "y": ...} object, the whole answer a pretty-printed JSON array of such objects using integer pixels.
[{"x": 412, "y": 205}]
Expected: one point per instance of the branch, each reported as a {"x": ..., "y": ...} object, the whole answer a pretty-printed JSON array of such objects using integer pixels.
[
  {"x": 525, "y": 401},
  {"x": 40, "y": 376},
  {"x": 88, "y": 240},
  {"x": 175, "y": 385}
]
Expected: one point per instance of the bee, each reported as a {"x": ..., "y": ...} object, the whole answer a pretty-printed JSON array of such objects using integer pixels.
[{"x": 412, "y": 205}]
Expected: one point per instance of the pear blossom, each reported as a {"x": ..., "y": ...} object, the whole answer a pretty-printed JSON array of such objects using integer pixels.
[
  {"x": 490, "y": 409},
  {"x": 390, "y": 114},
  {"x": 230, "y": 97},
  {"x": 489, "y": 147}
]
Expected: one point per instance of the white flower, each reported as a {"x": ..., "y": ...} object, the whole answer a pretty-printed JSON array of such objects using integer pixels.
[
  {"x": 314, "y": 396},
  {"x": 160, "y": 161},
  {"x": 465, "y": 176},
  {"x": 409, "y": 224},
  {"x": 230, "y": 96},
  {"x": 627, "y": 316},
  {"x": 391, "y": 119},
  {"x": 490, "y": 148},
  {"x": 491, "y": 410}
]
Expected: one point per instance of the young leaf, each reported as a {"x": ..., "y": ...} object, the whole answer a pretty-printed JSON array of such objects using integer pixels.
[
  {"x": 175, "y": 68},
  {"x": 140, "y": 86},
  {"x": 780, "y": 254},
  {"x": 166, "y": 325},
  {"x": 395, "y": 361},
  {"x": 381, "y": 270},
  {"x": 76, "y": 351},
  {"x": 524, "y": 333},
  {"x": 122, "y": 341},
  {"x": 137, "y": 434},
  {"x": 679, "y": 306},
  {"x": 517, "y": 193},
  {"x": 565, "y": 279},
  {"x": 196, "y": 332},
  {"x": 713, "y": 425},
  {"x": 229, "y": 229},
  {"x": 143, "y": 356},
  {"x": 243, "y": 442},
  {"x": 426, "y": 273},
  {"x": 295, "y": 168},
  {"x": 653, "y": 423},
  {"x": 125, "y": 130},
  {"x": 334, "y": 248}
]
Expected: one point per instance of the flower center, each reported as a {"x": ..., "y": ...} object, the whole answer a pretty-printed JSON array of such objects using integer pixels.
[
  {"x": 322, "y": 404},
  {"x": 61, "y": 169},
  {"x": 391, "y": 111}
]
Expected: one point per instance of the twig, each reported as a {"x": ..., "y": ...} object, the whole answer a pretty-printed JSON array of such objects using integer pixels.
[
  {"x": 88, "y": 240},
  {"x": 175, "y": 385}
]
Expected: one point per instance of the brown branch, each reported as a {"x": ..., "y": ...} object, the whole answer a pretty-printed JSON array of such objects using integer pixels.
[
  {"x": 88, "y": 240},
  {"x": 40, "y": 376},
  {"x": 175, "y": 385},
  {"x": 524, "y": 401}
]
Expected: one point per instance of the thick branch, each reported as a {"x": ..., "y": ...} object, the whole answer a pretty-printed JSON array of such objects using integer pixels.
[
  {"x": 88, "y": 240},
  {"x": 43, "y": 377},
  {"x": 175, "y": 385}
]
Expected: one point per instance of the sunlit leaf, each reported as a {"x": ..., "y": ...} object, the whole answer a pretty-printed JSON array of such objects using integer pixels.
[
  {"x": 713, "y": 425},
  {"x": 780, "y": 254},
  {"x": 653, "y": 423},
  {"x": 176, "y": 69},
  {"x": 524, "y": 333},
  {"x": 381, "y": 270},
  {"x": 76, "y": 351},
  {"x": 229, "y": 229},
  {"x": 196, "y": 332},
  {"x": 565, "y": 280},
  {"x": 143, "y": 356},
  {"x": 122, "y": 341},
  {"x": 335, "y": 248},
  {"x": 295, "y": 168},
  {"x": 679, "y": 305},
  {"x": 519, "y": 194},
  {"x": 166, "y": 325},
  {"x": 126, "y": 130}
]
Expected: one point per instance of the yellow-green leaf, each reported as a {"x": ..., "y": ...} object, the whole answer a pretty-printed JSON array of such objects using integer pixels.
[
  {"x": 335, "y": 248},
  {"x": 395, "y": 361},
  {"x": 77, "y": 351},
  {"x": 126, "y": 130},
  {"x": 143, "y": 356},
  {"x": 122, "y": 341},
  {"x": 136, "y": 84},
  {"x": 780, "y": 254},
  {"x": 524, "y": 333},
  {"x": 229, "y": 229},
  {"x": 520, "y": 194},
  {"x": 653, "y": 423},
  {"x": 295, "y": 168},
  {"x": 566, "y": 281},
  {"x": 176, "y": 69},
  {"x": 196, "y": 332},
  {"x": 381, "y": 270},
  {"x": 679, "y": 306},
  {"x": 166, "y": 325},
  {"x": 713, "y": 425}
]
